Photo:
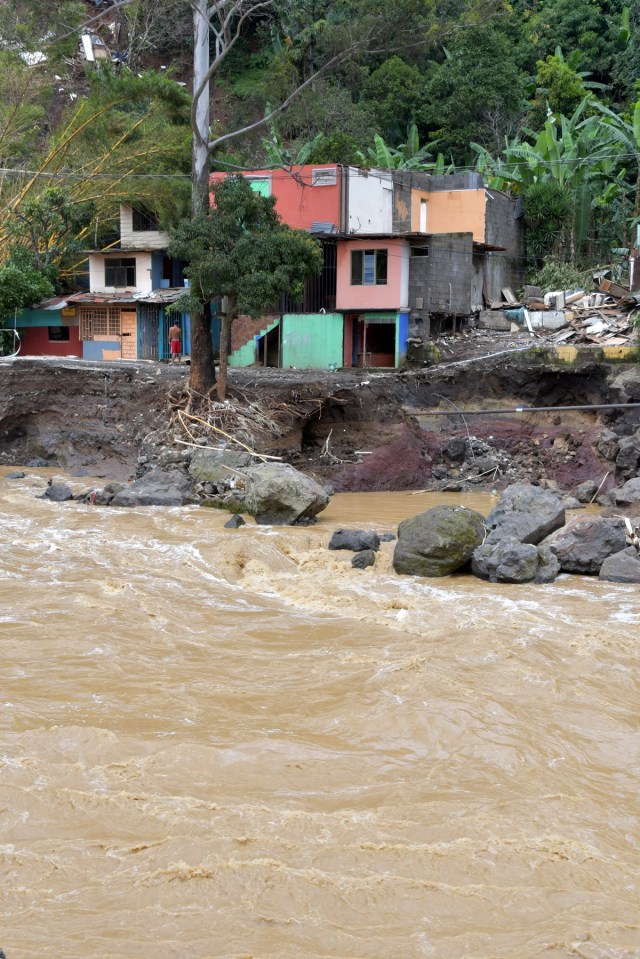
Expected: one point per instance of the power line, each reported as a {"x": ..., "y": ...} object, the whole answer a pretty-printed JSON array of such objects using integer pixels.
[{"x": 281, "y": 173}]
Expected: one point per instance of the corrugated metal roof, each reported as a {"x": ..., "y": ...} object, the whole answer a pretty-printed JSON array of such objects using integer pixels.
[{"x": 168, "y": 295}]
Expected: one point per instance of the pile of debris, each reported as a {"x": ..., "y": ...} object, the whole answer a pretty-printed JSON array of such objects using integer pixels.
[
  {"x": 470, "y": 460},
  {"x": 605, "y": 317}
]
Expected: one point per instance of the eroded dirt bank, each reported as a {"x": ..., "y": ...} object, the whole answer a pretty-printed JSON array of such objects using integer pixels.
[{"x": 358, "y": 430}]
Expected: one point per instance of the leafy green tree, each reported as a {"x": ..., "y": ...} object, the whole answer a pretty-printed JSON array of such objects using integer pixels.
[
  {"x": 22, "y": 283},
  {"x": 396, "y": 92},
  {"x": 548, "y": 209},
  {"x": 589, "y": 27},
  {"x": 558, "y": 87},
  {"x": 339, "y": 147},
  {"x": 240, "y": 250},
  {"x": 49, "y": 226},
  {"x": 476, "y": 95}
]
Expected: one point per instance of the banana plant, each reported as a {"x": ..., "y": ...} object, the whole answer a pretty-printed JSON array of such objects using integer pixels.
[
  {"x": 407, "y": 156},
  {"x": 580, "y": 153}
]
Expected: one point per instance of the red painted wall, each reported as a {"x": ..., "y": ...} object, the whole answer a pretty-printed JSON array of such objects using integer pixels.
[
  {"x": 34, "y": 341},
  {"x": 298, "y": 203}
]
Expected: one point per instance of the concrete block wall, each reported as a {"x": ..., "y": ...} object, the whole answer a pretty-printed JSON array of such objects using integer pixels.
[
  {"x": 443, "y": 279},
  {"x": 504, "y": 227}
]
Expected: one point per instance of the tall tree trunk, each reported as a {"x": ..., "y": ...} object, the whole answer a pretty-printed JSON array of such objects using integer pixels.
[
  {"x": 225, "y": 337},
  {"x": 203, "y": 372},
  {"x": 200, "y": 110}
]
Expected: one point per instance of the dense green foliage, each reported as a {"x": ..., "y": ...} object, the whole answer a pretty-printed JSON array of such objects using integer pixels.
[{"x": 540, "y": 95}]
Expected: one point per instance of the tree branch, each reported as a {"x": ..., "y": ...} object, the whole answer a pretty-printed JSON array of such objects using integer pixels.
[
  {"x": 218, "y": 60},
  {"x": 336, "y": 59}
]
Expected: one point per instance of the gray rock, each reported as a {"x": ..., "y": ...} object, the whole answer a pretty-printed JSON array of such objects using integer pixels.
[
  {"x": 355, "y": 540},
  {"x": 278, "y": 494},
  {"x": 363, "y": 559},
  {"x": 483, "y": 464},
  {"x": 156, "y": 488},
  {"x": 387, "y": 537},
  {"x": 629, "y": 494},
  {"x": 438, "y": 541},
  {"x": 625, "y": 388},
  {"x": 585, "y": 492},
  {"x": 217, "y": 466},
  {"x": 58, "y": 493},
  {"x": 508, "y": 561},
  {"x": 235, "y": 522},
  {"x": 38, "y": 462},
  {"x": 622, "y": 567},
  {"x": 455, "y": 449},
  {"x": 628, "y": 456},
  {"x": 570, "y": 502},
  {"x": 526, "y": 513},
  {"x": 608, "y": 444},
  {"x": 104, "y": 496},
  {"x": 585, "y": 542},
  {"x": 518, "y": 563},
  {"x": 548, "y": 565},
  {"x": 15, "y": 474}
]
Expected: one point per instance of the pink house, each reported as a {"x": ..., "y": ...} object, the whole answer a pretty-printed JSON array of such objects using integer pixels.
[{"x": 372, "y": 274}]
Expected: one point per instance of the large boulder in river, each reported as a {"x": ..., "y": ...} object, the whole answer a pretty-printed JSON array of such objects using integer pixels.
[
  {"x": 437, "y": 542},
  {"x": 526, "y": 513},
  {"x": 622, "y": 567},
  {"x": 629, "y": 494},
  {"x": 585, "y": 542},
  {"x": 58, "y": 492},
  {"x": 355, "y": 539},
  {"x": 279, "y": 495},
  {"x": 156, "y": 488},
  {"x": 510, "y": 561}
]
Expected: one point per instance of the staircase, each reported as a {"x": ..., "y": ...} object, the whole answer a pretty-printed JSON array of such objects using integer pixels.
[{"x": 245, "y": 355}]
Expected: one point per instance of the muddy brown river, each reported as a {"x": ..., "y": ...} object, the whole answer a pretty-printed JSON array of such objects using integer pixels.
[{"x": 219, "y": 743}]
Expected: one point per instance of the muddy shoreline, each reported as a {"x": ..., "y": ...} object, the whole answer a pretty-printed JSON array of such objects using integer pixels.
[{"x": 357, "y": 430}]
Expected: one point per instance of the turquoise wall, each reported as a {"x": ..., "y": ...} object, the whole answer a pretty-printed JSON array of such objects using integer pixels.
[
  {"x": 312, "y": 340},
  {"x": 40, "y": 318}
]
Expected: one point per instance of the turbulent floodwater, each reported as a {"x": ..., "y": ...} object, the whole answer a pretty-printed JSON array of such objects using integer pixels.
[{"x": 219, "y": 743}]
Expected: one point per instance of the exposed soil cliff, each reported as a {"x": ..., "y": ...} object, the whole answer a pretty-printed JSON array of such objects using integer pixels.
[{"x": 358, "y": 430}]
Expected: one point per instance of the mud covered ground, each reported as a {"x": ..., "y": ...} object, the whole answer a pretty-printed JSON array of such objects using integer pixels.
[{"x": 355, "y": 429}]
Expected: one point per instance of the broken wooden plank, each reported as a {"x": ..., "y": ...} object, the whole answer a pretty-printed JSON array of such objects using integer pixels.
[
  {"x": 613, "y": 289},
  {"x": 527, "y": 320}
]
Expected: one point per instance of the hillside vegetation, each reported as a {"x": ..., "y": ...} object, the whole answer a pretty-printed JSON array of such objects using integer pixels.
[{"x": 540, "y": 95}]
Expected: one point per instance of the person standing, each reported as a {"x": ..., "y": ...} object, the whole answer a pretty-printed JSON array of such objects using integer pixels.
[{"x": 175, "y": 341}]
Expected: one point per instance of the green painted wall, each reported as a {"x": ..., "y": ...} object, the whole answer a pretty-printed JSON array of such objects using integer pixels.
[
  {"x": 246, "y": 355},
  {"x": 312, "y": 340}
]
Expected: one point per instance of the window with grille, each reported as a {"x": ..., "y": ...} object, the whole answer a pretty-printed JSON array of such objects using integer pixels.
[
  {"x": 120, "y": 273},
  {"x": 97, "y": 321},
  {"x": 369, "y": 268},
  {"x": 324, "y": 177},
  {"x": 144, "y": 221}
]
